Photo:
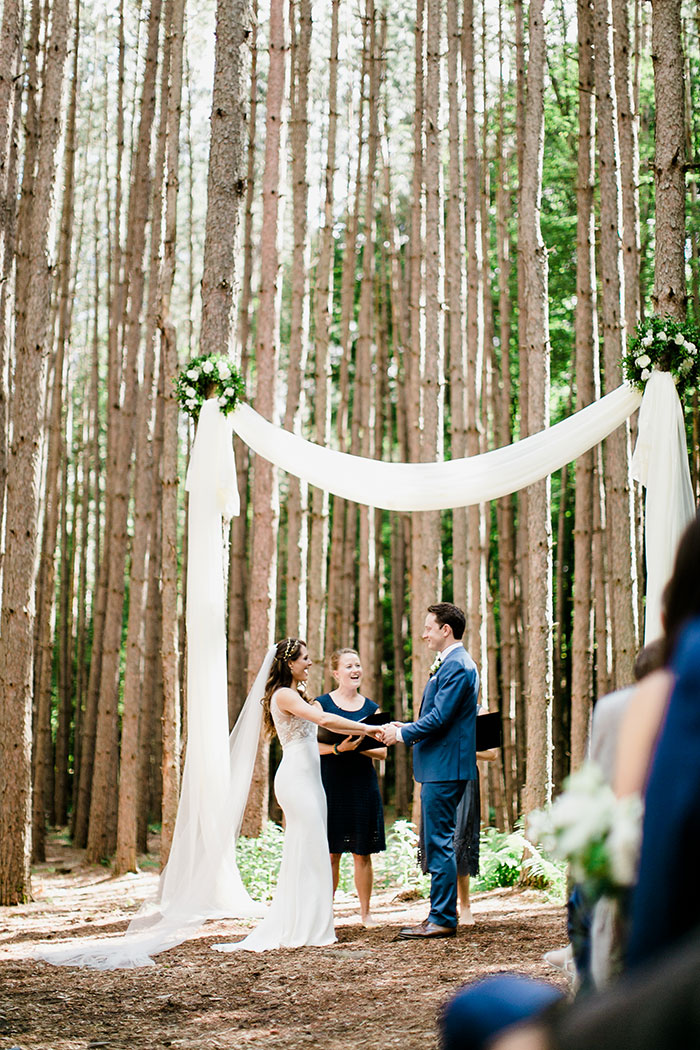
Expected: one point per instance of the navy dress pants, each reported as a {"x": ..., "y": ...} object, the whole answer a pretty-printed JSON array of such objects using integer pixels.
[{"x": 439, "y": 803}]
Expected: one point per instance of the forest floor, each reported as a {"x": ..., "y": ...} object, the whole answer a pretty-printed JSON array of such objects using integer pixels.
[{"x": 369, "y": 990}]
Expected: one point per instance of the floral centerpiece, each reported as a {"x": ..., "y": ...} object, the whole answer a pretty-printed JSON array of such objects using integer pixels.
[
  {"x": 597, "y": 833},
  {"x": 665, "y": 345},
  {"x": 209, "y": 375}
]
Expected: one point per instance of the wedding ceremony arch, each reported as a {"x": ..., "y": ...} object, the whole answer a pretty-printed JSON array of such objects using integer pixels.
[{"x": 201, "y": 879}]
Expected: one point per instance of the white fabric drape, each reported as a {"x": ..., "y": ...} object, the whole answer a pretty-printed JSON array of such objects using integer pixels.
[
  {"x": 660, "y": 462},
  {"x": 437, "y": 486},
  {"x": 201, "y": 879}
]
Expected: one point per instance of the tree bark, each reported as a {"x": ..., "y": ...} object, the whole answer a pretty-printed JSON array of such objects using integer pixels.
[
  {"x": 33, "y": 291},
  {"x": 538, "y": 784},
  {"x": 669, "y": 296},
  {"x": 587, "y": 368},
  {"x": 620, "y": 536},
  {"x": 263, "y": 576}
]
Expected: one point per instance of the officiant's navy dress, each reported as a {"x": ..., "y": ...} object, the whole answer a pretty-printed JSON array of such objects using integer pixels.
[{"x": 355, "y": 811}]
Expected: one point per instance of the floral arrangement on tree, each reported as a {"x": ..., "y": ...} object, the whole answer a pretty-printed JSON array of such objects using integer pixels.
[
  {"x": 209, "y": 375},
  {"x": 597, "y": 833},
  {"x": 663, "y": 344}
]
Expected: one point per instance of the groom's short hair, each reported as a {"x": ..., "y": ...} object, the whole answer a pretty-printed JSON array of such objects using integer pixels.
[{"x": 452, "y": 615}]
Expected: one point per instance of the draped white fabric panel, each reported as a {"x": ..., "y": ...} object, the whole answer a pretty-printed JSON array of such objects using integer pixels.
[
  {"x": 437, "y": 486},
  {"x": 660, "y": 462}
]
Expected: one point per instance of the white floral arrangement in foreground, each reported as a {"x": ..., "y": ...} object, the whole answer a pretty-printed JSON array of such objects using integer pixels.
[
  {"x": 664, "y": 344},
  {"x": 597, "y": 833},
  {"x": 207, "y": 375}
]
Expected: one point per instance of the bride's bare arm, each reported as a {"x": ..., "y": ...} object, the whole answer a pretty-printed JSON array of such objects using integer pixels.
[{"x": 292, "y": 704}]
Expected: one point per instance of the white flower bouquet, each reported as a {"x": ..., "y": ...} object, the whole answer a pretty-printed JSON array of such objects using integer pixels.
[
  {"x": 596, "y": 833},
  {"x": 207, "y": 375},
  {"x": 664, "y": 344}
]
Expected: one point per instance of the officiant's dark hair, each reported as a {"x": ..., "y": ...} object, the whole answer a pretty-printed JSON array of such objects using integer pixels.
[
  {"x": 452, "y": 615},
  {"x": 280, "y": 676}
]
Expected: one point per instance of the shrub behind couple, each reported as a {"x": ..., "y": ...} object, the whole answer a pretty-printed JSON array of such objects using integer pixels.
[{"x": 443, "y": 737}]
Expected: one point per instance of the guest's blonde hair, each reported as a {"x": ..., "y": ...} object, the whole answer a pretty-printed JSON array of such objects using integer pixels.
[{"x": 336, "y": 655}]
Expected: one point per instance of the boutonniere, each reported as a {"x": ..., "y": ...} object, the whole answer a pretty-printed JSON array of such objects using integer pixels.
[{"x": 435, "y": 664}]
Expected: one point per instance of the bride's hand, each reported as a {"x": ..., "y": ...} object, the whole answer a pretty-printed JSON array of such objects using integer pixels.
[{"x": 349, "y": 743}]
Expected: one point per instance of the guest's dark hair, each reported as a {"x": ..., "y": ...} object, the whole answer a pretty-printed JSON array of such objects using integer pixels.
[
  {"x": 452, "y": 615},
  {"x": 280, "y": 676},
  {"x": 649, "y": 659},
  {"x": 681, "y": 598}
]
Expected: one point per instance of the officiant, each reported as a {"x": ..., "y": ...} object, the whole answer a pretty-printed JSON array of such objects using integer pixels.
[{"x": 355, "y": 812}]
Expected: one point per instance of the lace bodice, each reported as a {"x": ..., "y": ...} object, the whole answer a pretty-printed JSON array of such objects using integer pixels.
[{"x": 290, "y": 728}]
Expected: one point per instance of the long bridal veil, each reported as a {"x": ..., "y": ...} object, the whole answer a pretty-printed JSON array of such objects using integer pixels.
[{"x": 201, "y": 879}]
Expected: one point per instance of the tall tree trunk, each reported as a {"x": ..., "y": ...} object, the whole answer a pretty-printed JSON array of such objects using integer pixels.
[
  {"x": 318, "y": 532},
  {"x": 669, "y": 296},
  {"x": 297, "y": 491},
  {"x": 629, "y": 161},
  {"x": 620, "y": 538},
  {"x": 538, "y": 784},
  {"x": 33, "y": 291},
  {"x": 476, "y": 589},
  {"x": 365, "y": 412},
  {"x": 170, "y": 644},
  {"x": 454, "y": 240},
  {"x": 43, "y": 748},
  {"x": 103, "y": 808},
  {"x": 238, "y": 571},
  {"x": 586, "y": 374},
  {"x": 263, "y": 576}
]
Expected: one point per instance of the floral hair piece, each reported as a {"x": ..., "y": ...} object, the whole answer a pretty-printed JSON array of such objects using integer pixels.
[{"x": 206, "y": 375}]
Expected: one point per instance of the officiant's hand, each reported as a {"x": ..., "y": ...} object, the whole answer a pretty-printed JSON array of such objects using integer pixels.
[{"x": 349, "y": 743}]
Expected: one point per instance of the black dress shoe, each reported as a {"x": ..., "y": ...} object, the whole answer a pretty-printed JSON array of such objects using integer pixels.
[{"x": 426, "y": 930}]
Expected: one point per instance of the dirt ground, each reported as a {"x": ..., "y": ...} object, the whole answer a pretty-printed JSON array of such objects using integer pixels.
[{"x": 368, "y": 990}]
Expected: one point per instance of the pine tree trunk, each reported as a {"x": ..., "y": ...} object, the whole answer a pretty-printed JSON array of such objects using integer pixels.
[
  {"x": 586, "y": 376},
  {"x": 238, "y": 571},
  {"x": 454, "y": 240},
  {"x": 102, "y": 828},
  {"x": 318, "y": 531},
  {"x": 669, "y": 296},
  {"x": 539, "y": 529},
  {"x": 297, "y": 491},
  {"x": 620, "y": 538},
  {"x": 33, "y": 290},
  {"x": 263, "y": 576},
  {"x": 629, "y": 162}
]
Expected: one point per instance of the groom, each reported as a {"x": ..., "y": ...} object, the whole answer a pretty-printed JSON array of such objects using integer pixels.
[{"x": 444, "y": 758}]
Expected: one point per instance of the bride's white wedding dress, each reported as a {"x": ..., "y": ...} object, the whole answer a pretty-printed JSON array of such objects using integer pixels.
[{"x": 301, "y": 912}]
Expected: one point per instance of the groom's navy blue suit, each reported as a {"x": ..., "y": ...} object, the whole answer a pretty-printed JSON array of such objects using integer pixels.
[{"x": 444, "y": 758}]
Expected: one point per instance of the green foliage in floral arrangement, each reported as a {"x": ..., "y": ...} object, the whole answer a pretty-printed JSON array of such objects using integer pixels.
[
  {"x": 663, "y": 344},
  {"x": 207, "y": 375}
]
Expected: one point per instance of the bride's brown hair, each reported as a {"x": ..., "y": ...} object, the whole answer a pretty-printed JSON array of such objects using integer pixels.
[{"x": 280, "y": 676}]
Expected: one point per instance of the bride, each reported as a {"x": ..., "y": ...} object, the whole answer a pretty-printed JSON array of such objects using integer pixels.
[{"x": 301, "y": 912}]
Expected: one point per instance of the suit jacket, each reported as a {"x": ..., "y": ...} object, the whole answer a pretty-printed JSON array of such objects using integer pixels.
[{"x": 444, "y": 735}]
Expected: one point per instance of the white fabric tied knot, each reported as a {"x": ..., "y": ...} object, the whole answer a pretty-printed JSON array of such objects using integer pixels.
[{"x": 660, "y": 462}]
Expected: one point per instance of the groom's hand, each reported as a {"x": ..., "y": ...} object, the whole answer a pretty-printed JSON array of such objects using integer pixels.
[{"x": 390, "y": 732}]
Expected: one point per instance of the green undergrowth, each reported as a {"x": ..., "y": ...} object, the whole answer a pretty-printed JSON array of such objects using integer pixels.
[{"x": 506, "y": 859}]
